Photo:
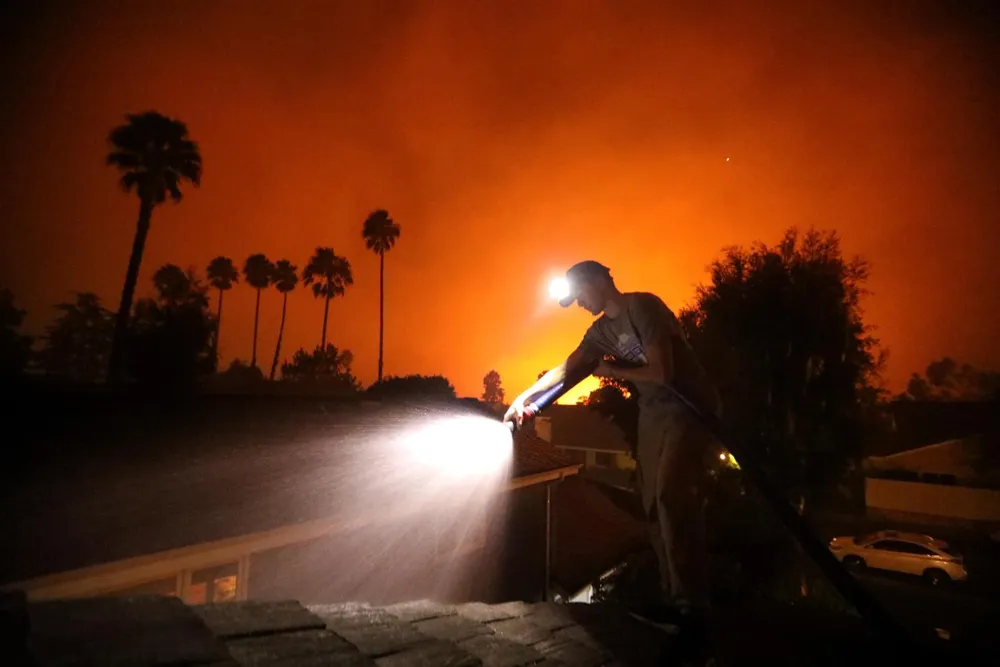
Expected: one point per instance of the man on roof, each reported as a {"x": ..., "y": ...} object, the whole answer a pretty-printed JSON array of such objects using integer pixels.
[{"x": 638, "y": 339}]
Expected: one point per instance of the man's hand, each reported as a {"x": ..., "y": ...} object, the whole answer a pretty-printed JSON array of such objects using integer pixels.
[{"x": 515, "y": 413}]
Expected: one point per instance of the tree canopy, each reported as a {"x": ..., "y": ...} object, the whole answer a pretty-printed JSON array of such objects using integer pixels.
[
  {"x": 78, "y": 342},
  {"x": 493, "y": 392},
  {"x": 412, "y": 387},
  {"x": 780, "y": 329},
  {"x": 947, "y": 380},
  {"x": 15, "y": 348}
]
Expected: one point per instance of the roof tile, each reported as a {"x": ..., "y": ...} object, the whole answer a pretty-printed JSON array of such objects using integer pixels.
[
  {"x": 533, "y": 455},
  {"x": 434, "y": 654},
  {"x": 496, "y": 651},
  {"x": 484, "y": 613},
  {"x": 351, "y": 614},
  {"x": 296, "y": 648},
  {"x": 420, "y": 610},
  {"x": 230, "y": 620},
  {"x": 570, "y": 652},
  {"x": 378, "y": 640},
  {"x": 453, "y": 628},
  {"x": 120, "y": 631},
  {"x": 521, "y": 630}
]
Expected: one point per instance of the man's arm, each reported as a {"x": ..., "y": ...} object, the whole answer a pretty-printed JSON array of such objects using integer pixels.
[
  {"x": 659, "y": 369},
  {"x": 581, "y": 358},
  {"x": 583, "y": 355}
]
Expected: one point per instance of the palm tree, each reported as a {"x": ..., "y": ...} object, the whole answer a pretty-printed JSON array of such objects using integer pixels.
[
  {"x": 222, "y": 275},
  {"x": 284, "y": 280},
  {"x": 154, "y": 154},
  {"x": 380, "y": 233},
  {"x": 257, "y": 272},
  {"x": 329, "y": 274}
]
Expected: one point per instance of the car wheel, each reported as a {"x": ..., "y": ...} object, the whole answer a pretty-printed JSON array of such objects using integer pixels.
[
  {"x": 854, "y": 563},
  {"x": 936, "y": 577}
]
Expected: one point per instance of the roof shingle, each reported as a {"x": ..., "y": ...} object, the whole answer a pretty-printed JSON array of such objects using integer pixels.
[{"x": 163, "y": 631}]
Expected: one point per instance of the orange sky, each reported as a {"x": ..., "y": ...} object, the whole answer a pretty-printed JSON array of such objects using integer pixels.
[{"x": 508, "y": 143}]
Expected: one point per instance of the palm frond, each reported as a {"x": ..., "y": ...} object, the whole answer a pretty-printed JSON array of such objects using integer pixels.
[
  {"x": 130, "y": 181},
  {"x": 157, "y": 148}
]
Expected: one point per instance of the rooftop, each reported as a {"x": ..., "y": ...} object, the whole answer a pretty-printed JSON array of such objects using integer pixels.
[{"x": 162, "y": 631}]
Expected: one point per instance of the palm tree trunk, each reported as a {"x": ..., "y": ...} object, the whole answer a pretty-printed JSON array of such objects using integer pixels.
[
  {"x": 326, "y": 314},
  {"x": 256, "y": 317},
  {"x": 381, "y": 307},
  {"x": 218, "y": 330},
  {"x": 128, "y": 291},
  {"x": 281, "y": 330}
]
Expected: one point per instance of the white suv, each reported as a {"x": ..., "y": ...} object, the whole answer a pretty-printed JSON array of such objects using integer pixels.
[{"x": 909, "y": 553}]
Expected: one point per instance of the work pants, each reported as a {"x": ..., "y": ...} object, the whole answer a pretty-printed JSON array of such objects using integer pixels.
[{"x": 673, "y": 471}]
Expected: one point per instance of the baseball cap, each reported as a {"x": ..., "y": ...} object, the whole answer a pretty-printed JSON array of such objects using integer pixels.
[{"x": 580, "y": 273}]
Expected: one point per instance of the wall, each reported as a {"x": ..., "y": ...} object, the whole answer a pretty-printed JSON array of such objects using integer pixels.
[
  {"x": 933, "y": 499},
  {"x": 579, "y": 426},
  {"x": 520, "y": 547}
]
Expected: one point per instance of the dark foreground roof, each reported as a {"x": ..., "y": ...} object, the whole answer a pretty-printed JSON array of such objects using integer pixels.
[{"x": 163, "y": 631}]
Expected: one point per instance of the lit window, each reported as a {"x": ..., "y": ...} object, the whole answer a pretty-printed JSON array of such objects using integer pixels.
[{"x": 213, "y": 584}]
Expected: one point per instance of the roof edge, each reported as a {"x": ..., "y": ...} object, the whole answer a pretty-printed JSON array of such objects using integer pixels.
[{"x": 113, "y": 575}]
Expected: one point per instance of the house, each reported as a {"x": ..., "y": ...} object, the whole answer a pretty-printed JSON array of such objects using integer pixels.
[
  {"x": 956, "y": 481},
  {"x": 591, "y": 440},
  {"x": 236, "y": 498},
  {"x": 939, "y": 465}
]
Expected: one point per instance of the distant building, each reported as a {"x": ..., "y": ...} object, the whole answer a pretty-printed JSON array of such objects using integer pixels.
[
  {"x": 591, "y": 440},
  {"x": 955, "y": 481},
  {"x": 939, "y": 464}
]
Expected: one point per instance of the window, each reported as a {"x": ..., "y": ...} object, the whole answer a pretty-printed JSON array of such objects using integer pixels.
[
  {"x": 902, "y": 547},
  {"x": 213, "y": 584},
  {"x": 604, "y": 459}
]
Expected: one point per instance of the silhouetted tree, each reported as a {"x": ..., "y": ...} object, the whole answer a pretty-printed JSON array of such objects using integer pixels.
[
  {"x": 412, "y": 387},
  {"x": 329, "y": 274},
  {"x": 174, "y": 286},
  {"x": 78, "y": 342},
  {"x": 947, "y": 380},
  {"x": 15, "y": 348},
  {"x": 170, "y": 346},
  {"x": 257, "y": 272},
  {"x": 328, "y": 370},
  {"x": 155, "y": 155},
  {"x": 780, "y": 330},
  {"x": 380, "y": 233},
  {"x": 284, "y": 279},
  {"x": 222, "y": 275},
  {"x": 493, "y": 393}
]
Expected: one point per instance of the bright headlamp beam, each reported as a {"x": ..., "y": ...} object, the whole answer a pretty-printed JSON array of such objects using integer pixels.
[{"x": 559, "y": 288}]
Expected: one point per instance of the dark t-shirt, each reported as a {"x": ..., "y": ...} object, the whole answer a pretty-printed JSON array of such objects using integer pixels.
[{"x": 646, "y": 318}]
